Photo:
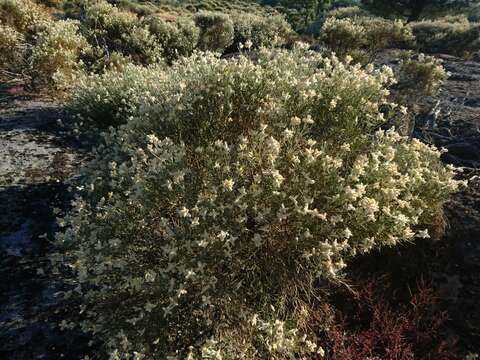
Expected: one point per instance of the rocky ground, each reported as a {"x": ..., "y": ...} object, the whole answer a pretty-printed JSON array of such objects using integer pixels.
[
  {"x": 456, "y": 126},
  {"x": 36, "y": 161}
]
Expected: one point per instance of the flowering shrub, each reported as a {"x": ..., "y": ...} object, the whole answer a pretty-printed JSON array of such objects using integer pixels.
[
  {"x": 116, "y": 30},
  {"x": 58, "y": 46},
  {"x": 343, "y": 36},
  {"x": 382, "y": 34},
  {"x": 177, "y": 38},
  {"x": 203, "y": 222},
  {"x": 364, "y": 37},
  {"x": 22, "y": 15},
  {"x": 101, "y": 100},
  {"x": 216, "y": 31},
  {"x": 449, "y": 34},
  {"x": 12, "y": 52},
  {"x": 260, "y": 30},
  {"x": 420, "y": 74}
]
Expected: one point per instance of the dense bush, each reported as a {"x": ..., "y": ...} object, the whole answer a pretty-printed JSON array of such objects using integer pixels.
[
  {"x": 343, "y": 36},
  {"x": 56, "y": 51},
  {"x": 216, "y": 31},
  {"x": 35, "y": 48},
  {"x": 364, "y": 37},
  {"x": 449, "y": 34},
  {"x": 420, "y": 75},
  {"x": 115, "y": 30},
  {"x": 177, "y": 38},
  {"x": 22, "y": 15},
  {"x": 102, "y": 100},
  {"x": 260, "y": 30},
  {"x": 204, "y": 221},
  {"x": 12, "y": 52}
]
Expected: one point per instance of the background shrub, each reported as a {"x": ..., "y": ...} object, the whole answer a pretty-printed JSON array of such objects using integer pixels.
[
  {"x": 203, "y": 223},
  {"x": 22, "y": 15},
  {"x": 12, "y": 53},
  {"x": 260, "y": 30},
  {"x": 177, "y": 38},
  {"x": 216, "y": 31},
  {"x": 115, "y": 30},
  {"x": 420, "y": 75},
  {"x": 364, "y": 37},
  {"x": 56, "y": 51},
  {"x": 343, "y": 36},
  {"x": 452, "y": 34}
]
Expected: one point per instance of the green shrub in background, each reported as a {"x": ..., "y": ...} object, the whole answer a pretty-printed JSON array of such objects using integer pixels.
[
  {"x": 37, "y": 49},
  {"x": 115, "y": 30},
  {"x": 260, "y": 30},
  {"x": 22, "y": 15},
  {"x": 12, "y": 53},
  {"x": 451, "y": 34},
  {"x": 420, "y": 74},
  {"x": 204, "y": 222},
  {"x": 343, "y": 36},
  {"x": 364, "y": 37},
  {"x": 216, "y": 31},
  {"x": 177, "y": 38},
  {"x": 56, "y": 52}
]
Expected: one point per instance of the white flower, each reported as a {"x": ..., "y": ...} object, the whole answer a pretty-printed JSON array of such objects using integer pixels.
[
  {"x": 347, "y": 234},
  {"x": 287, "y": 133},
  {"x": 228, "y": 184},
  {"x": 184, "y": 212},
  {"x": 295, "y": 121},
  {"x": 257, "y": 240},
  {"x": 423, "y": 234}
]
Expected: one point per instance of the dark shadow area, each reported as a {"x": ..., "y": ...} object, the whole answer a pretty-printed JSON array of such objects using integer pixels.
[{"x": 31, "y": 305}]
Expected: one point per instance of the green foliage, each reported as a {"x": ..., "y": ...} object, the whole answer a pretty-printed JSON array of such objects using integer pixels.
[
  {"x": 449, "y": 34},
  {"x": 414, "y": 9},
  {"x": 216, "y": 31},
  {"x": 420, "y": 75},
  {"x": 205, "y": 220},
  {"x": 177, "y": 38},
  {"x": 22, "y": 15},
  {"x": 115, "y": 30},
  {"x": 57, "y": 49},
  {"x": 363, "y": 37},
  {"x": 12, "y": 52},
  {"x": 35, "y": 48},
  {"x": 260, "y": 30}
]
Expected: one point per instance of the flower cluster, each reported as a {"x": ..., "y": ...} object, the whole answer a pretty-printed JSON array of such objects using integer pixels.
[
  {"x": 12, "y": 51},
  {"x": 204, "y": 221},
  {"x": 58, "y": 47}
]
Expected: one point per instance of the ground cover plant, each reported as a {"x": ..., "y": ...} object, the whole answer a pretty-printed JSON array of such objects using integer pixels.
[{"x": 204, "y": 215}]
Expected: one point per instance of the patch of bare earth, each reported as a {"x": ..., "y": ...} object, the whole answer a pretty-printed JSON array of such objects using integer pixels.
[{"x": 35, "y": 162}]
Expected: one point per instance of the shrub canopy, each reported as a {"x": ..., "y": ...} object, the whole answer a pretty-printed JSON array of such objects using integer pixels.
[{"x": 205, "y": 220}]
